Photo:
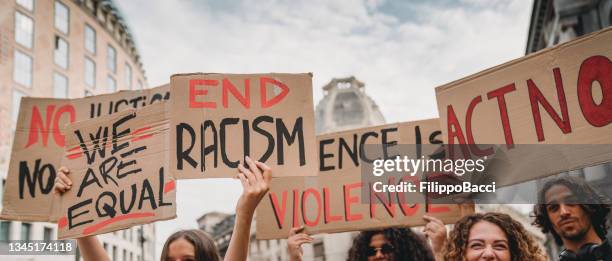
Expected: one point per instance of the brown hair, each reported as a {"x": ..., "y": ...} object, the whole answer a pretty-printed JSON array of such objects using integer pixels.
[
  {"x": 407, "y": 245},
  {"x": 522, "y": 246},
  {"x": 596, "y": 206},
  {"x": 205, "y": 249}
]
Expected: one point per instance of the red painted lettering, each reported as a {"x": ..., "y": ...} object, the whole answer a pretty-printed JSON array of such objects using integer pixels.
[
  {"x": 454, "y": 131},
  {"x": 51, "y": 124},
  {"x": 536, "y": 97},
  {"x": 503, "y": 110},
  {"x": 317, "y": 197},
  {"x": 229, "y": 87},
  {"x": 348, "y": 201},
  {"x": 265, "y": 103},
  {"x": 328, "y": 217},
  {"x": 596, "y": 68},
  {"x": 279, "y": 211},
  {"x": 468, "y": 130},
  {"x": 194, "y": 93}
]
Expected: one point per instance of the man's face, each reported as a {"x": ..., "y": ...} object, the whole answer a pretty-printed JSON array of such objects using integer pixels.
[
  {"x": 380, "y": 249},
  {"x": 568, "y": 218}
]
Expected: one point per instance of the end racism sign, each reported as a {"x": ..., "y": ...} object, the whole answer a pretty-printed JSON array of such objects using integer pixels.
[
  {"x": 561, "y": 95},
  {"x": 332, "y": 201},
  {"x": 39, "y": 143},
  {"x": 118, "y": 170},
  {"x": 217, "y": 119}
]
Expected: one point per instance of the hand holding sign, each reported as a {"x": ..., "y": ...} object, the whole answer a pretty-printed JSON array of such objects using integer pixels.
[
  {"x": 296, "y": 238},
  {"x": 62, "y": 181},
  {"x": 255, "y": 184},
  {"x": 435, "y": 230}
]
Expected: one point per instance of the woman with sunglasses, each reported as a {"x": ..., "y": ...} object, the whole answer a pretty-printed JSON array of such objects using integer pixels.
[{"x": 386, "y": 244}]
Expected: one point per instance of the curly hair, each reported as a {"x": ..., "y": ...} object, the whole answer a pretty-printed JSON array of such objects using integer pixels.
[
  {"x": 597, "y": 209},
  {"x": 522, "y": 245},
  {"x": 407, "y": 245}
]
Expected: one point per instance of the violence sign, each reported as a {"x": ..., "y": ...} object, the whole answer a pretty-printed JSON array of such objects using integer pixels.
[
  {"x": 39, "y": 144},
  {"x": 218, "y": 119},
  {"x": 561, "y": 95},
  {"x": 118, "y": 167},
  {"x": 333, "y": 201}
]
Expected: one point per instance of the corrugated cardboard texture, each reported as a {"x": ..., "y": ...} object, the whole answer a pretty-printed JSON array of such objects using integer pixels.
[
  {"x": 217, "y": 119},
  {"x": 118, "y": 168},
  {"x": 38, "y": 145},
  {"x": 561, "y": 95},
  {"x": 331, "y": 202}
]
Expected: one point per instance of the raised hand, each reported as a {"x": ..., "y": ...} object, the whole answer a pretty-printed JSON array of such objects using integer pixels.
[
  {"x": 435, "y": 230},
  {"x": 255, "y": 184},
  {"x": 294, "y": 243}
]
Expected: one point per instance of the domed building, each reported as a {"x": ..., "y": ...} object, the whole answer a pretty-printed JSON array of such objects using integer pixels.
[{"x": 346, "y": 106}]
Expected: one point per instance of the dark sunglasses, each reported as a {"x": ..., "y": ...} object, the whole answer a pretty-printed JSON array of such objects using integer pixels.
[{"x": 385, "y": 249}]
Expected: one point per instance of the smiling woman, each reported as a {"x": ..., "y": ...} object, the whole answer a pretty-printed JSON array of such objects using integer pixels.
[{"x": 491, "y": 236}]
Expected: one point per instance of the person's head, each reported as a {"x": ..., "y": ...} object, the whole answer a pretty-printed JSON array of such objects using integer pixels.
[
  {"x": 389, "y": 244},
  {"x": 568, "y": 208},
  {"x": 491, "y": 236},
  {"x": 190, "y": 245}
]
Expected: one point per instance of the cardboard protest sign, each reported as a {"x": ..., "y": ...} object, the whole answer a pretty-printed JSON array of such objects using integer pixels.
[
  {"x": 332, "y": 201},
  {"x": 218, "y": 119},
  {"x": 561, "y": 95},
  {"x": 118, "y": 168},
  {"x": 39, "y": 144}
]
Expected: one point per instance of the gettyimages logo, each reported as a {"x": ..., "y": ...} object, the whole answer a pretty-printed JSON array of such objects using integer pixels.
[{"x": 404, "y": 164}]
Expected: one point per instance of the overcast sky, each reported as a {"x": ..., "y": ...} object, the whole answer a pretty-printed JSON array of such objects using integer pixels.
[{"x": 401, "y": 50}]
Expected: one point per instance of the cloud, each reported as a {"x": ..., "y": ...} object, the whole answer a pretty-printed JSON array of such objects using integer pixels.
[{"x": 401, "y": 50}]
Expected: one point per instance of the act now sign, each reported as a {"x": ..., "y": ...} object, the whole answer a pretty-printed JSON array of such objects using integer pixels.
[{"x": 561, "y": 95}]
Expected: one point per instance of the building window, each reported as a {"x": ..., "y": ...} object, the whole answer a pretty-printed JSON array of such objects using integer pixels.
[
  {"x": 90, "y": 73},
  {"x": 319, "y": 251},
  {"x": 48, "y": 234},
  {"x": 60, "y": 55},
  {"x": 90, "y": 39},
  {"x": 24, "y": 29},
  {"x": 22, "y": 70},
  {"x": 60, "y": 86},
  {"x": 25, "y": 231},
  {"x": 62, "y": 15},
  {"x": 125, "y": 255},
  {"x": 128, "y": 76},
  {"x": 114, "y": 253},
  {"x": 27, "y": 4},
  {"x": 5, "y": 230},
  {"x": 111, "y": 59},
  {"x": 17, "y": 95},
  {"x": 111, "y": 84}
]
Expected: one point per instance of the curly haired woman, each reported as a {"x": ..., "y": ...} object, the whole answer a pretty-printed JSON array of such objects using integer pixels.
[
  {"x": 491, "y": 236},
  {"x": 386, "y": 244}
]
